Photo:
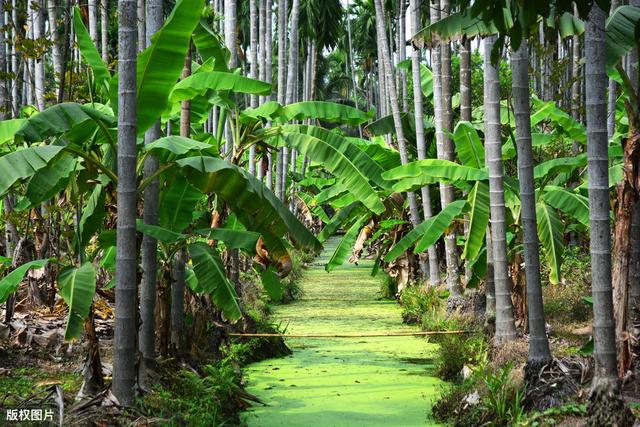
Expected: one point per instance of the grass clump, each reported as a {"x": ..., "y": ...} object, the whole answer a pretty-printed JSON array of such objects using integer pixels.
[
  {"x": 419, "y": 302},
  {"x": 488, "y": 397},
  {"x": 210, "y": 396},
  {"x": 388, "y": 287}
]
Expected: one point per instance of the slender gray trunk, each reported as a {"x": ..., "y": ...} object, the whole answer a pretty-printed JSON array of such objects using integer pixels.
[
  {"x": 14, "y": 60},
  {"x": 539, "y": 352},
  {"x": 253, "y": 60},
  {"x": 38, "y": 27},
  {"x": 124, "y": 374},
  {"x": 92, "y": 9},
  {"x": 505, "y": 326},
  {"x": 606, "y": 406},
  {"x": 230, "y": 40},
  {"x": 465, "y": 114},
  {"x": 611, "y": 94},
  {"x": 576, "y": 83},
  {"x": 142, "y": 23},
  {"x": 433, "y": 267},
  {"x": 104, "y": 30},
  {"x": 441, "y": 66},
  {"x": 4, "y": 83},
  {"x": 282, "y": 81},
  {"x": 598, "y": 169},
  {"x": 56, "y": 53},
  {"x": 149, "y": 248},
  {"x": 395, "y": 108}
]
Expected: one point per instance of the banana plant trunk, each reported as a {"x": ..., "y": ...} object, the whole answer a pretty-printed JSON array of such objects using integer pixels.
[
  {"x": 180, "y": 259},
  {"x": 126, "y": 258},
  {"x": 606, "y": 406},
  {"x": 539, "y": 353},
  {"x": 465, "y": 114},
  {"x": 38, "y": 27},
  {"x": 505, "y": 326},
  {"x": 151, "y": 196},
  {"x": 433, "y": 267}
]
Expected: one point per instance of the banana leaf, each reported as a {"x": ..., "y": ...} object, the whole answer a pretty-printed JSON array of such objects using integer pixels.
[{"x": 77, "y": 288}]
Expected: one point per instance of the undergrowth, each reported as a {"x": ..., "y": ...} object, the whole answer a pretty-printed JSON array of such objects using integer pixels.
[{"x": 211, "y": 397}]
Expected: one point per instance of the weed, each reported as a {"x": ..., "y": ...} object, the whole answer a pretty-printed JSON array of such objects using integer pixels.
[
  {"x": 187, "y": 398},
  {"x": 418, "y": 301},
  {"x": 388, "y": 287},
  {"x": 502, "y": 399},
  {"x": 456, "y": 351}
]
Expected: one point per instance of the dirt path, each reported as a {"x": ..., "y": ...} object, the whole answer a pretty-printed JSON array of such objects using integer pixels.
[{"x": 344, "y": 382}]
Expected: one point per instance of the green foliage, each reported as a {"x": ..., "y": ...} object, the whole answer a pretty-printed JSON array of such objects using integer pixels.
[
  {"x": 9, "y": 284},
  {"x": 418, "y": 301},
  {"x": 503, "y": 399},
  {"x": 185, "y": 397},
  {"x": 388, "y": 287},
  {"x": 77, "y": 287},
  {"x": 456, "y": 351}
]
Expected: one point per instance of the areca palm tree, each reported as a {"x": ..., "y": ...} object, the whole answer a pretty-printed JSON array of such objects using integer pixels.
[
  {"x": 505, "y": 326},
  {"x": 539, "y": 353},
  {"x": 606, "y": 406},
  {"x": 126, "y": 259}
]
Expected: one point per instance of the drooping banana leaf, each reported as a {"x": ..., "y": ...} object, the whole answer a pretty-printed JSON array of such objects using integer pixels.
[
  {"x": 562, "y": 122},
  {"x": 359, "y": 158},
  {"x": 177, "y": 145},
  {"x": 569, "y": 202},
  {"x": 177, "y": 204},
  {"x": 77, "y": 288},
  {"x": 90, "y": 53},
  {"x": 48, "y": 181},
  {"x": 478, "y": 219},
  {"x": 478, "y": 269},
  {"x": 426, "y": 77},
  {"x": 428, "y": 231},
  {"x": 62, "y": 118},
  {"x": 621, "y": 35},
  {"x": 339, "y": 165},
  {"x": 271, "y": 283},
  {"x": 212, "y": 279},
  {"x": 468, "y": 145},
  {"x": 330, "y": 193},
  {"x": 417, "y": 174},
  {"x": 210, "y": 46},
  {"x": 8, "y": 129},
  {"x": 255, "y": 205},
  {"x": 160, "y": 65},
  {"x": 93, "y": 214},
  {"x": 24, "y": 163},
  {"x": 9, "y": 284},
  {"x": 439, "y": 224},
  {"x": 324, "y": 111},
  {"x": 336, "y": 222},
  {"x": 159, "y": 233},
  {"x": 234, "y": 239},
  {"x": 550, "y": 232},
  {"x": 561, "y": 164},
  {"x": 343, "y": 250},
  {"x": 201, "y": 83},
  {"x": 379, "y": 152},
  {"x": 455, "y": 26}
]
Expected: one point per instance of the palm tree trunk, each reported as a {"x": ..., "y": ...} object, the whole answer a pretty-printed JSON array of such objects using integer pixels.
[
  {"x": 433, "y": 268},
  {"x": 4, "y": 83},
  {"x": 142, "y": 23},
  {"x": 253, "y": 50},
  {"x": 291, "y": 93},
  {"x": 611, "y": 93},
  {"x": 38, "y": 27},
  {"x": 539, "y": 353},
  {"x": 606, "y": 406},
  {"x": 104, "y": 30},
  {"x": 126, "y": 257},
  {"x": 230, "y": 40},
  {"x": 282, "y": 81},
  {"x": 92, "y": 9},
  {"x": 56, "y": 54},
  {"x": 441, "y": 66},
  {"x": 150, "y": 216},
  {"x": 505, "y": 326},
  {"x": 393, "y": 99},
  {"x": 465, "y": 114},
  {"x": 14, "y": 59}
]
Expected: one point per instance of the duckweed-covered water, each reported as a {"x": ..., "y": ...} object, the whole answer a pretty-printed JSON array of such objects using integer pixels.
[{"x": 384, "y": 381}]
